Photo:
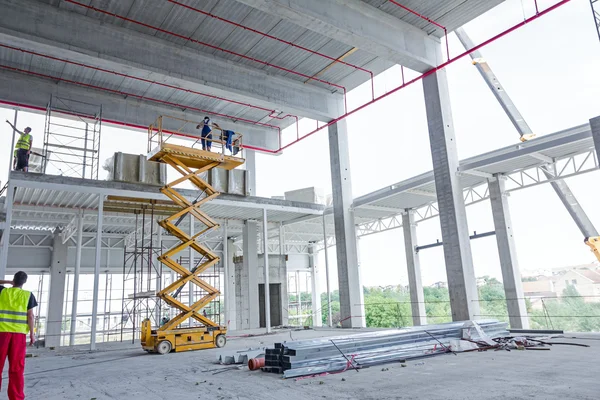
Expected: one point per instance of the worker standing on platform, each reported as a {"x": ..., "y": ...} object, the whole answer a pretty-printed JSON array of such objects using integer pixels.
[
  {"x": 226, "y": 138},
  {"x": 22, "y": 149},
  {"x": 16, "y": 320},
  {"x": 206, "y": 134}
]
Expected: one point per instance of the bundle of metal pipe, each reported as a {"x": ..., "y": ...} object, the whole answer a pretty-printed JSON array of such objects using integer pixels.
[{"x": 316, "y": 356}]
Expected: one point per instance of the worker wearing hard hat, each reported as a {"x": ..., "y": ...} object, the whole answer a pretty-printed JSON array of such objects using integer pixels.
[
  {"x": 22, "y": 149},
  {"x": 206, "y": 134}
]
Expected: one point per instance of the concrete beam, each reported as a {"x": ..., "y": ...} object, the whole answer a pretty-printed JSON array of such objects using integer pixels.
[
  {"x": 35, "y": 92},
  {"x": 511, "y": 275},
  {"x": 462, "y": 285},
  {"x": 360, "y": 25},
  {"x": 90, "y": 41}
]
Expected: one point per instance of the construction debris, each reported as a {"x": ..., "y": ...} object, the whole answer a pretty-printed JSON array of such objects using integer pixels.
[
  {"x": 239, "y": 357},
  {"x": 334, "y": 355}
]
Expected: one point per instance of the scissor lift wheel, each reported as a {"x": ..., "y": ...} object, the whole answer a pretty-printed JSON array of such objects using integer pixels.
[
  {"x": 220, "y": 341},
  {"x": 164, "y": 347}
]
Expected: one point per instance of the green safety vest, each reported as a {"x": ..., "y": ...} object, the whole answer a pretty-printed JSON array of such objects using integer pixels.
[
  {"x": 13, "y": 310},
  {"x": 24, "y": 142}
]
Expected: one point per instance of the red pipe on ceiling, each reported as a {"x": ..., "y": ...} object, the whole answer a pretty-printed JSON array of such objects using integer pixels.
[
  {"x": 367, "y": 104},
  {"x": 208, "y": 45},
  {"x": 432, "y": 71},
  {"x": 119, "y": 92},
  {"x": 269, "y": 36},
  {"x": 160, "y": 84}
]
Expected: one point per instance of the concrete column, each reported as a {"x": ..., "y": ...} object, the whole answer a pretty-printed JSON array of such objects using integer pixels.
[
  {"x": 462, "y": 285},
  {"x": 316, "y": 296},
  {"x": 97, "y": 258},
  {"x": 329, "y": 316},
  {"x": 76, "y": 278},
  {"x": 285, "y": 299},
  {"x": 56, "y": 294},
  {"x": 595, "y": 125},
  {"x": 265, "y": 240},
  {"x": 250, "y": 165},
  {"x": 511, "y": 275},
  {"x": 351, "y": 307},
  {"x": 249, "y": 310},
  {"x": 230, "y": 286},
  {"x": 417, "y": 299}
]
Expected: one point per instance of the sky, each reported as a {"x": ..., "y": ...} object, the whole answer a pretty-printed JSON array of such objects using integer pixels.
[{"x": 550, "y": 70}]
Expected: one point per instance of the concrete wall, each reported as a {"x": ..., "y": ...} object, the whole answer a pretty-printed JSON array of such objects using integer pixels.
[{"x": 277, "y": 274}]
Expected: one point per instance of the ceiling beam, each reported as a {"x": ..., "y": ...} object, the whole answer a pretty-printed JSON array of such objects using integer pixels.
[
  {"x": 89, "y": 41},
  {"x": 360, "y": 25}
]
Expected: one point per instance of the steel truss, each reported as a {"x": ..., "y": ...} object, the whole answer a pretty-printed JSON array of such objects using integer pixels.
[{"x": 557, "y": 169}]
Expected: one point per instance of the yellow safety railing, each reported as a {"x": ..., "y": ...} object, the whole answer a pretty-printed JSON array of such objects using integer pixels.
[{"x": 218, "y": 137}]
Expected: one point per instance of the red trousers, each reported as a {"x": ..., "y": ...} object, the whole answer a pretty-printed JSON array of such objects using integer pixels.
[{"x": 13, "y": 345}]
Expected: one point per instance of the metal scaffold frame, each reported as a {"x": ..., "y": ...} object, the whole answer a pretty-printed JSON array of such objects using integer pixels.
[
  {"x": 140, "y": 268},
  {"x": 72, "y": 147}
]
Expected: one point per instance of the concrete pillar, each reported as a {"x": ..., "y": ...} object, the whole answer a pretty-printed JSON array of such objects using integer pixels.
[
  {"x": 248, "y": 311},
  {"x": 350, "y": 287},
  {"x": 329, "y": 316},
  {"x": 462, "y": 285},
  {"x": 595, "y": 125},
  {"x": 267, "y": 270},
  {"x": 316, "y": 296},
  {"x": 56, "y": 294},
  {"x": 230, "y": 285},
  {"x": 250, "y": 165},
  {"x": 285, "y": 300},
  {"x": 417, "y": 299},
  {"x": 511, "y": 276}
]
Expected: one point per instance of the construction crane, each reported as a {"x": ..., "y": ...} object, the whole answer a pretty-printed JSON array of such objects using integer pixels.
[
  {"x": 190, "y": 163},
  {"x": 585, "y": 225}
]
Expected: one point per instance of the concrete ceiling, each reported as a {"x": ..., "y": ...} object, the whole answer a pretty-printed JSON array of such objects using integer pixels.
[{"x": 188, "y": 57}]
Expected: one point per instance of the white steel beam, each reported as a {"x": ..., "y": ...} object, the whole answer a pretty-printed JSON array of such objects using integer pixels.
[{"x": 98, "y": 254}]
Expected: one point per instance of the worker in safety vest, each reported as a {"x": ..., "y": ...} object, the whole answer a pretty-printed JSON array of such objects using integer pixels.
[
  {"x": 205, "y": 133},
  {"x": 22, "y": 149},
  {"x": 16, "y": 320}
]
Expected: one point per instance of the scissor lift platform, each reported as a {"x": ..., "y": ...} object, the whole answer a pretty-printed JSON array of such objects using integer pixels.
[{"x": 190, "y": 163}]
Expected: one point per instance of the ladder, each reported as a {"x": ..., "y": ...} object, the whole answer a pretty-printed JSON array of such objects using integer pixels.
[{"x": 190, "y": 163}]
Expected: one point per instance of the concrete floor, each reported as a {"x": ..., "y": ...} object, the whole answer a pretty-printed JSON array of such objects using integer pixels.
[{"x": 124, "y": 371}]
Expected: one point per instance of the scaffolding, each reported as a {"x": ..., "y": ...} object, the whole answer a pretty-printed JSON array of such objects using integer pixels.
[
  {"x": 72, "y": 138},
  {"x": 142, "y": 274}
]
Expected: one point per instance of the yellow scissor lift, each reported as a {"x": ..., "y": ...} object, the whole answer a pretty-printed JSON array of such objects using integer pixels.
[{"x": 190, "y": 163}]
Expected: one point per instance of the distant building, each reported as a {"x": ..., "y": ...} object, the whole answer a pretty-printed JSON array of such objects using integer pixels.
[{"x": 585, "y": 278}]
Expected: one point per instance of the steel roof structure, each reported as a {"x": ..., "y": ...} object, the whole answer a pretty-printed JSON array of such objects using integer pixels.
[{"x": 43, "y": 203}]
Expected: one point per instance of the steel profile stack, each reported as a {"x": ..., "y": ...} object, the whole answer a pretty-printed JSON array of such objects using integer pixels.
[{"x": 308, "y": 357}]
